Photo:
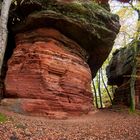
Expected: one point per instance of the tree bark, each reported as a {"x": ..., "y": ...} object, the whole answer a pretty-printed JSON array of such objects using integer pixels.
[
  {"x": 99, "y": 89},
  {"x": 106, "y": 87},
  {"x": 3, "y": 29},
  {"x": 96, "y": 100},
  {"x": 134, "y": 71}
]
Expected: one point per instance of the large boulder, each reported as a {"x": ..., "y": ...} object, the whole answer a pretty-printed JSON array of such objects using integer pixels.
[
  {"x": 47, "y": 74},
  {"x": 119, "y": 73},
  {"x": 60, "y": 45},
  {"x": 120, "y": 66},
  {"x": 89, "y": 24}
]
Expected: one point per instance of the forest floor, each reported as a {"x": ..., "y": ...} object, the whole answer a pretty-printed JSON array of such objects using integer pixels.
[{"x": 106, "y": 124}]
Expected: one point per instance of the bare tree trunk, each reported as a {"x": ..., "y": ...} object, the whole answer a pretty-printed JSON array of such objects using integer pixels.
[
  {"x": 5, "y": 6},
  {"x": 132, "y": 88},
  {"x": 3, "y": 29},
  {"x": 106, "y": 87},
  {"x": 99, "y": 89},
  {"x": 96, "y": 100},
  {"x": 134, "y": 71}
]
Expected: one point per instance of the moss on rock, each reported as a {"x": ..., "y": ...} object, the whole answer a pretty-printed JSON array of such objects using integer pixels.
[{"x": 89, "y": 24}]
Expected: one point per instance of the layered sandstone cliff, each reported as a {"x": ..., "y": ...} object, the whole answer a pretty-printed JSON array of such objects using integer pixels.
[
  {"x": 119, "y": 73},
  {"x": 47, "y": 74},
  {"x": 59, "y": 46}
]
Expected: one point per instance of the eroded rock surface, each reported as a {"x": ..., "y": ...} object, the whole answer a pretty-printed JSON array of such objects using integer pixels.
[
  {"x": 60, "y": 45},
  {"x": 89, "y": 24},
  {"x": 119, "y": 73},
  {"x": 49, "y": 76}
]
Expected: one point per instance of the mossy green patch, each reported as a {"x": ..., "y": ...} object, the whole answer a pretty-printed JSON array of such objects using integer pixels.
[
  {"x": 89, "y": 12},
  {"x": 3, "y": 118},
  {"x": 87, "y": 23}
]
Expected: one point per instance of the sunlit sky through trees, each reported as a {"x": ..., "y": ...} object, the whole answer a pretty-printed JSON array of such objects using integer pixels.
[{"x": 128, "y": 21}]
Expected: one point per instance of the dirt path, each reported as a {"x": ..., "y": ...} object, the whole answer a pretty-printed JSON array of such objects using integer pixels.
[{"x": 99, "y": 125}]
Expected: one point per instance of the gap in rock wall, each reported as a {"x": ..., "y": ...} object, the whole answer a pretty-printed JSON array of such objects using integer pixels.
[{"x": 8, "y": 53}]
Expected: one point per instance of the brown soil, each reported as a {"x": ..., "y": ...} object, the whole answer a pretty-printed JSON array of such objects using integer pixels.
[{"x": 98, "y": 125}]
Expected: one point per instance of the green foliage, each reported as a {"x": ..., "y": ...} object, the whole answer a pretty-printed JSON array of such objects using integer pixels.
[
  {"x": 104, "y": 92},
  {"x": 3, "y": 118},
  {"x": 105, "y": 98}
]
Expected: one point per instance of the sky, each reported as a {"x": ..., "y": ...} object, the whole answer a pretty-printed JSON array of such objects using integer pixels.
[{"x": 128, "y": 23}]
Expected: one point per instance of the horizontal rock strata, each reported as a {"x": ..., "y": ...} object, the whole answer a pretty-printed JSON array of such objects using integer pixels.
[
  {"x": 86, "y": 22},
  {"x": 49, "y": 72},
  {"x": 60, "y": 45}
]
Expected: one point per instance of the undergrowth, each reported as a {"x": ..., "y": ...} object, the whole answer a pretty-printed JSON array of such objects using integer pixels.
[{"x": 3, "y": 118}]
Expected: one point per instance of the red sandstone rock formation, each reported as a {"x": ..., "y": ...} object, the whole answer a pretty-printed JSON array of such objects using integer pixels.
[
  {"x": 60, "y": 45},
  {"x": 48, "y": 74}
]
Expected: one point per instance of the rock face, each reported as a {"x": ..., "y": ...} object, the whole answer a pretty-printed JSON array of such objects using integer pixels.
[
  {"x": 60, "y": 45},
  {"x": 119, "y": 74},
  {"x": 48, "y": 76},
  {"x": 120, "y": 65},
  {"x": 87, "y": 23}
]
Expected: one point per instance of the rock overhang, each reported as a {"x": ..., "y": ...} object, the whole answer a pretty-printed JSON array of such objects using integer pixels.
[{"x": 87, "y": 23}]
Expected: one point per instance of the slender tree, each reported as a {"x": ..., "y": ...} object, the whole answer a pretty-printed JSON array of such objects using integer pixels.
[
  {"x": 5, "y": 6},
  {"x": 99, "y": 88},
  {"x": 136, "y": 52},
  {"x": 95, "y": 93},
  {"x": 106, "y": 86}
]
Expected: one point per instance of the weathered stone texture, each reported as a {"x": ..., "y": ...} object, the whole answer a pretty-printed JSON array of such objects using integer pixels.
[
  {"x": 44, "y": 69},
  {"x": 87, "y": 23},
  {"x": 60, "y": 45},
  {"x": 119, "y": 73}
]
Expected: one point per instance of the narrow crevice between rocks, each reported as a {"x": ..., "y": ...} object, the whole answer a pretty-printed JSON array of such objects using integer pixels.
[{"x": 8, "y": 53}]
